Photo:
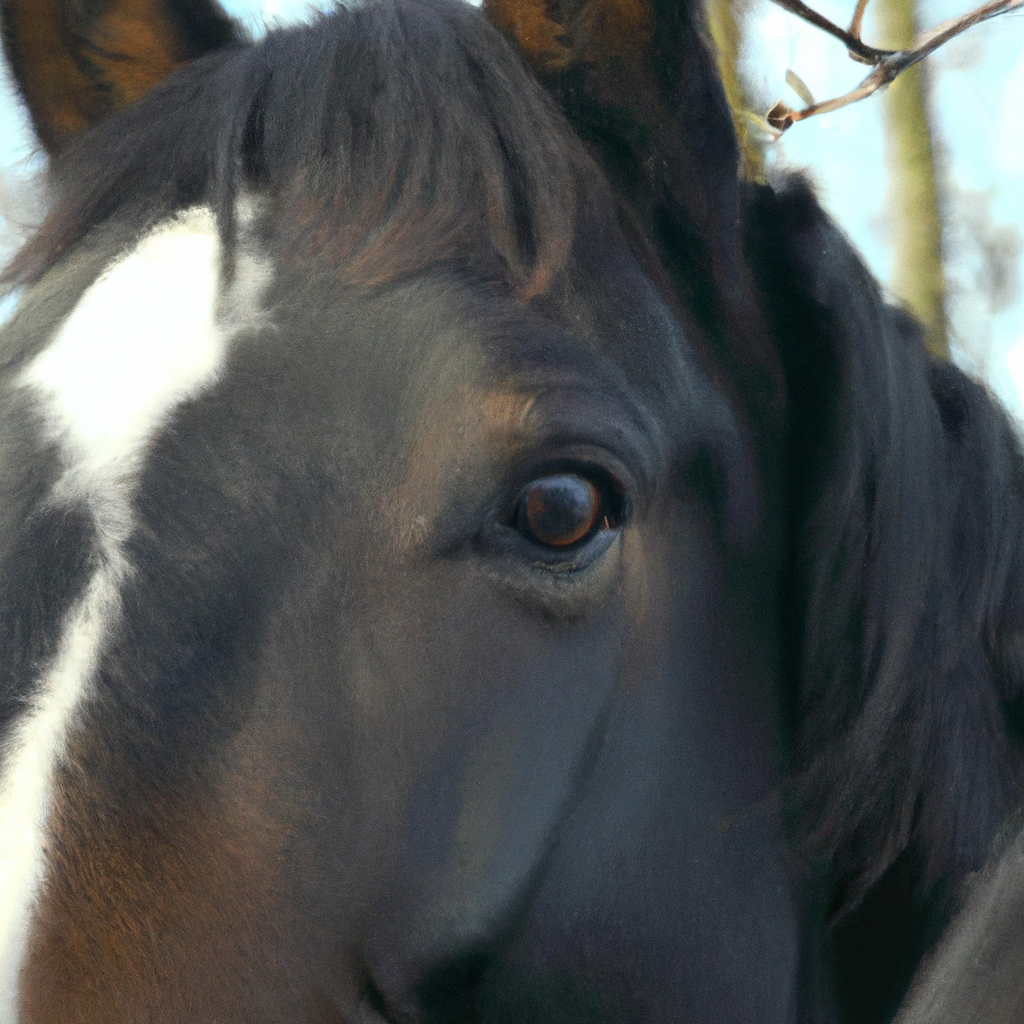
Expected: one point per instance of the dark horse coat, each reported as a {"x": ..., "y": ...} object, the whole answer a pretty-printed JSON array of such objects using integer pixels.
[{"x": 465, "y": 557}]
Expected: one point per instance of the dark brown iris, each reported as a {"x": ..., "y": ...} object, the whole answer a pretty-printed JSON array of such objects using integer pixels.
[{"x": 559, "y": 510}]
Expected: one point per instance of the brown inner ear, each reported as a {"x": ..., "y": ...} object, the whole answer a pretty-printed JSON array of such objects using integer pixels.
[
  {"x": 77, "y": 63},
  {"x": 596, "y": 32},
  {"x": 537, "y": 35}
]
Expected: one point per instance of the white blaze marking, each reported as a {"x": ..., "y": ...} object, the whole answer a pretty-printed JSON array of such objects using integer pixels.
[{"x": 143, "y": 338}]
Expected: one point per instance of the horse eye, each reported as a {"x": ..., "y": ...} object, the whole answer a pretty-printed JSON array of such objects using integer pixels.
[{"x": 561, "y": 510}]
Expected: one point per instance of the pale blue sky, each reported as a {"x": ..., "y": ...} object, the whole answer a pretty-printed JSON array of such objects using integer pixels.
[
  {"x": 977, "y": 103},
  {"x": 978, "y": 106}
]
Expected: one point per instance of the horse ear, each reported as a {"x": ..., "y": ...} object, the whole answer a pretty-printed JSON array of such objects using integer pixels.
[
  {"x": 639, "y": 84},
  {"x": 76, "y": 61}
]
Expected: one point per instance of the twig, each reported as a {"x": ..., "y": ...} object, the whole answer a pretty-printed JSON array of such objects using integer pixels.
[
  {"x": 887, "y": 63},
  {"x": 853, "y": 44},
  {"x": 858, "y": 18},
  {"x": 855, "y": 26}
]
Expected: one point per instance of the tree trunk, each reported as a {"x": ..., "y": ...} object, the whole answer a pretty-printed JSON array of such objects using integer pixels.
[
  {"x": 913, "y": 193},
  {"x": 725, "y": 23}
]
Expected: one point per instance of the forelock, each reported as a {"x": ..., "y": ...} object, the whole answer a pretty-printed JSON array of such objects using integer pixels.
[{"x": 390, "y": 136}]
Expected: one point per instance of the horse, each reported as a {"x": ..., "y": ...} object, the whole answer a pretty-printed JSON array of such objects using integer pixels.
[{"x": 467, "y": 556}]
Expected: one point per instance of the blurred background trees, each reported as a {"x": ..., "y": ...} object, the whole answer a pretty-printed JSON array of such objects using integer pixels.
[
  {"x": 927, "y": 177},
  {"x": 924, "y": 176}
]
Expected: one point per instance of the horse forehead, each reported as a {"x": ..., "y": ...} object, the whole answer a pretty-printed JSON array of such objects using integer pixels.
[
  {"x": 140, "y": 339},
  {"x": 150, "y": 332}
]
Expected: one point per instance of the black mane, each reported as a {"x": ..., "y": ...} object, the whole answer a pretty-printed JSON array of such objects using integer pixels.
[
  {"x": 906, "y": 498},
  {"x": 420, "y": 138}
]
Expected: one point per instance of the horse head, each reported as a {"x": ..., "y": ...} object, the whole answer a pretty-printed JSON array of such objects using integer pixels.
[{"x": 466, "y": 557}]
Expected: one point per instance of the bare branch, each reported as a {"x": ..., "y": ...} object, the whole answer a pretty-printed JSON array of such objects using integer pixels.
[
  {"x": 780, "y": 117},
  {"x": 853, "y": 44},
  {"x": 931, "y": 40},
  {"x": 858, "y": 18},
  {"x": 855, "y": 29},
  {"x": 887, "y": 63}
]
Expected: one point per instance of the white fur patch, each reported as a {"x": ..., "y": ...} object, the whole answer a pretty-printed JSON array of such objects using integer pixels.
[{"x": 144, "y": 337}]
